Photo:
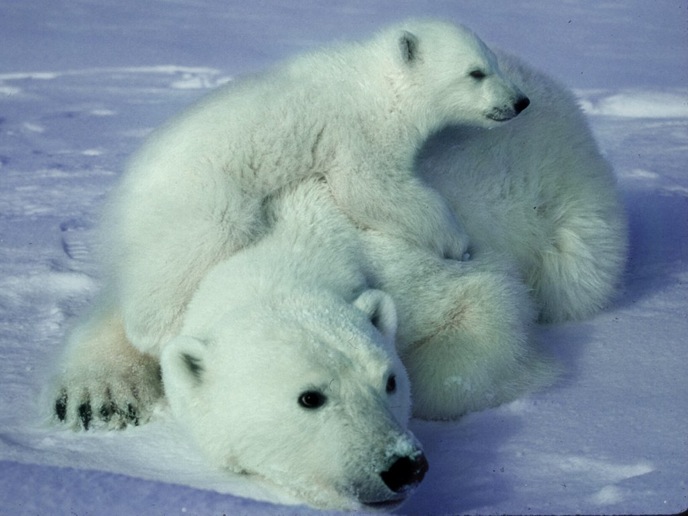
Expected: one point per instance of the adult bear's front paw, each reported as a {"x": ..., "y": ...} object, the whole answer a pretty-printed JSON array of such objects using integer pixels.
[{"x": 108, "y": 399}]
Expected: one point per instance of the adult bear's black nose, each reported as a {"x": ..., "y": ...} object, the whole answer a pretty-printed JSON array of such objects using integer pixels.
[
  {"x": 521, "y": 104},
  {"x": 405, "y": 473}
]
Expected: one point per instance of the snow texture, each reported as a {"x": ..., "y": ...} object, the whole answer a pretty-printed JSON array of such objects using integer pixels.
[{"x": 82, "y": 81}]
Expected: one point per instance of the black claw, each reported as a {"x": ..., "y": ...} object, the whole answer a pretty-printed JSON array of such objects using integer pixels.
[
  {"x": 132, "y": 415},
  {"x": 85, "y": 414},
  {"x": 107, "y": 410},
  {"x": 61, "y": 407}
]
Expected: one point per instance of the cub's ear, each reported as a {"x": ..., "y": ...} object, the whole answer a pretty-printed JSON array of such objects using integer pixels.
[
  {"x": 380, "y": 309},
  {"x": 408, "y": 46},
  {"x": 183, "y": 365}
]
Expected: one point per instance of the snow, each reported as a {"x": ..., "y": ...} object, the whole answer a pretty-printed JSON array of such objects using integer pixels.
[{"x": 81, "y": 82}]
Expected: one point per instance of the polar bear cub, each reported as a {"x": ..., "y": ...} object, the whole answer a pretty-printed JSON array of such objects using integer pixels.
[
  {"x": 286, "y": 368},
  {"x": 538, "y": 190},
  {"x": 355, "y": 114}
]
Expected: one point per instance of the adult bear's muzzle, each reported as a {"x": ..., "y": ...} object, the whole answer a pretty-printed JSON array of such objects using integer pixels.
[{"x": 405, "y": 473}]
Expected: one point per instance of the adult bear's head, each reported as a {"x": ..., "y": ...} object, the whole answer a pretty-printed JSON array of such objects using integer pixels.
[{"x": 305, "y": 391}]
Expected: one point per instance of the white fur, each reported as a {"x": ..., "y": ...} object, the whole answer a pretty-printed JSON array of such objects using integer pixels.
[
  {"x": 103, "y": 378},
  {"x": 293, "y": 310},
  {"x": 464, "y": 329},
  {"x": 540, "y": 205},
  {"x": 293, "y": 314},
  {"x": 538, "y": 190},
  {"x": 355, "y": 114}
]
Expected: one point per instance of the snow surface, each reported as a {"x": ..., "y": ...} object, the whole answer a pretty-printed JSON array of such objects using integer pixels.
[{"x": 82, "y": 81}]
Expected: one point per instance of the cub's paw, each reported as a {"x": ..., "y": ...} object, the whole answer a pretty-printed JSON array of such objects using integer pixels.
[
  {"x": 108, "y": 397},
  {"x": 451, "y": 245},
  {"x": 448, "y": 239}
]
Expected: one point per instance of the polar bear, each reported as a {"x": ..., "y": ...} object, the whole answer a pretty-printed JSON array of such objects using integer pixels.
[
  {"x": 463, "y": 330},
  {"x": 200, "y": 187},
  {"x": 285, "y": 366},
  {"x": 548, "y": 241},
  {"x": 538, "y": 190},
  {"x": 540, "y": 205},
  {"x": 355, "y": 113}
]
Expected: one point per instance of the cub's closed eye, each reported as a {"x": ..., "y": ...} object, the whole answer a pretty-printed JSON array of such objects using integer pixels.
[
  {"x": 391, "y": 386},
  {"x": 312, "y": 400},
  {"x": 478, "y": 74}
]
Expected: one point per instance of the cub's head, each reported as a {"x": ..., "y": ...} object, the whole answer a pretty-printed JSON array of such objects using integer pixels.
[
  {"x": 444, "y": 74},
  {"x": 306, "y": 392}
]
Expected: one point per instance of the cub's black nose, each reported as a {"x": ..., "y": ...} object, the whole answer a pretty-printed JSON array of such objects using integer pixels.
[
  {"x": 521, "y": 104},
  {"x": 406, "y": 472}
]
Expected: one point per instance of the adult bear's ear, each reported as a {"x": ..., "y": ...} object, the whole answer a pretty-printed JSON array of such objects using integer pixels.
[
  {"x": 183, "y": 366},
  {"x": 380, "y": 309},
  {"x": 408, "y": 45}
]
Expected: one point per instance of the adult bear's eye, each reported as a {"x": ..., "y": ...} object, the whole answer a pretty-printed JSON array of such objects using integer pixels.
[
  {"x": 312, "y": 399},
  {"x": 478, "y": 74},
  {"x": 391, "y": 386}
]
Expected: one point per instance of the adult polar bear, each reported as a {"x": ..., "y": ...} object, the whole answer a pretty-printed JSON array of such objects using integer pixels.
[
  {"x": 463, "y": 326},
  {"x": 355, "y": 114},
  {"x": 285, "y": 366}
]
